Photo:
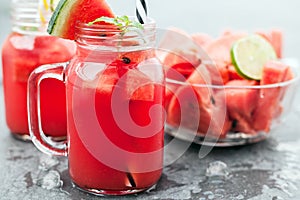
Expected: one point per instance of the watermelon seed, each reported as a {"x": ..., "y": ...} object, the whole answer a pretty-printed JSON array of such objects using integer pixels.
[
  {"x": 199, "y": 61},
  {"x": 234, "y": 123},
  {"x": 102, "y": 35},
  {"x": 213, "y": 101},
  {"x": 126, "y": 60}
]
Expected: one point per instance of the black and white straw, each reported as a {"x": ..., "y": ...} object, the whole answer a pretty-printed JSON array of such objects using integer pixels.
[{"x": 142, "y": 11}]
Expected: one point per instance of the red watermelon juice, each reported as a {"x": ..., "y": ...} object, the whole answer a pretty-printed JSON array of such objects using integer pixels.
[
  {"x": 115, "y": 132},
  {"x": 115, "y": 110},
  {"x": 21, "y": 54}
]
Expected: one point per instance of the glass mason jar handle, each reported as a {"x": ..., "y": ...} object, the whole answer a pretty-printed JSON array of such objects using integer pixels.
[{"x": 38, "y": 137}]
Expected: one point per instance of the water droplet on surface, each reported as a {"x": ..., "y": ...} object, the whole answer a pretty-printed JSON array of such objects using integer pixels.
[
  {"x": 240, "y": 197},
  {"x": 151, "y": 189},
  {"x": 196, "y": 189},
  {"x": 50, "y": 180},
  {"x": 219, "y": 196},
  {"x": 217, "y": 168},
  {"x": 206, "y": 193},
  {"x": 277, "y": 198},
  {"x": 28, "y": 180},
  {"x": 209, "y": 195},
  {"x": 219, "y": 193}
]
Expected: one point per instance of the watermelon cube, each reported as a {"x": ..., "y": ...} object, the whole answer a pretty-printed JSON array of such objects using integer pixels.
[
  {"x": 241, "y": 103},
  {"x": 199, "y": 109},
  {"x": 269, "y": 101}
]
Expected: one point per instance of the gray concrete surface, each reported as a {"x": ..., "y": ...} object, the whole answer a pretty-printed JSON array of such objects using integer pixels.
[{"x": 268, "y": 170}]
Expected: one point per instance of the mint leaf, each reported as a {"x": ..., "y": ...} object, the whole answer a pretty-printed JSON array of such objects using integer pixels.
[{"x": 123, "y": 22}]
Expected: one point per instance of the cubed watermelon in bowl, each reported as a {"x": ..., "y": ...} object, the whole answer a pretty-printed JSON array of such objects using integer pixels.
[
  {"x": 231, "y": 90},
  {"x": 238, "y": 112}
]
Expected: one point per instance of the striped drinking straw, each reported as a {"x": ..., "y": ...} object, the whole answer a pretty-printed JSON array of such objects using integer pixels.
[{"x": 141, "y": 11}]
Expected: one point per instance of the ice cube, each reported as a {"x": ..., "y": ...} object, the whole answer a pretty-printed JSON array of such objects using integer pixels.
[
  {"x": 23, "y": 42},
  {"x": 50, "y": 181},
  {"x": 217, "y": 168},
  {"x": 139, "y": 86},
  {"x": 47, "y": 162},
  {"x": 90, "y": 71}
]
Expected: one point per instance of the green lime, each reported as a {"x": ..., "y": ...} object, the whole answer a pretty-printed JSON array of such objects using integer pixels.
[{"x": 250, "y": 54}]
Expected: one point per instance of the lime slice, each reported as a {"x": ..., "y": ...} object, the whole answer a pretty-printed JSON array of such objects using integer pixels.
[{"x": 249, "y": 55}]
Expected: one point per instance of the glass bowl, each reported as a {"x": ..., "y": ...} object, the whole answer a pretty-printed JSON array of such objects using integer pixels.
[{"x": 237, "y": 113}]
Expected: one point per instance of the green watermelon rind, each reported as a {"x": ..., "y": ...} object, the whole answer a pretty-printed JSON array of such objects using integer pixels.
[{"x": 56, "y": 26}]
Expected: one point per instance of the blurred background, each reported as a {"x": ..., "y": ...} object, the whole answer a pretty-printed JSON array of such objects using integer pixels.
[
  {"x": 212, "y": 17},
  {"x": 215, "y": 16}
]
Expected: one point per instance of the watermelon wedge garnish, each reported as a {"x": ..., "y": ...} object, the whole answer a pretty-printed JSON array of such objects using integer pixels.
[{"x": 69, "y": 12}]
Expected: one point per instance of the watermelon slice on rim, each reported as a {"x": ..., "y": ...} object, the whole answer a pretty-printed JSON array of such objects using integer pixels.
[{"x": 69, "y": 12}]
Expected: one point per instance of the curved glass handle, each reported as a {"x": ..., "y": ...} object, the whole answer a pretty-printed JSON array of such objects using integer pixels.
[{"x": 38, "y": 137}]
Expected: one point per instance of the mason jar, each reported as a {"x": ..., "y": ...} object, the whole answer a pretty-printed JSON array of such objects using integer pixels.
[
  {"x": 27, "y": 47},
  {"x": 115, "y": 110}
]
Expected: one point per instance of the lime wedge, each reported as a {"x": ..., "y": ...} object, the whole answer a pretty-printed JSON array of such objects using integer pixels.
[{"x": 249, "y": 55}]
